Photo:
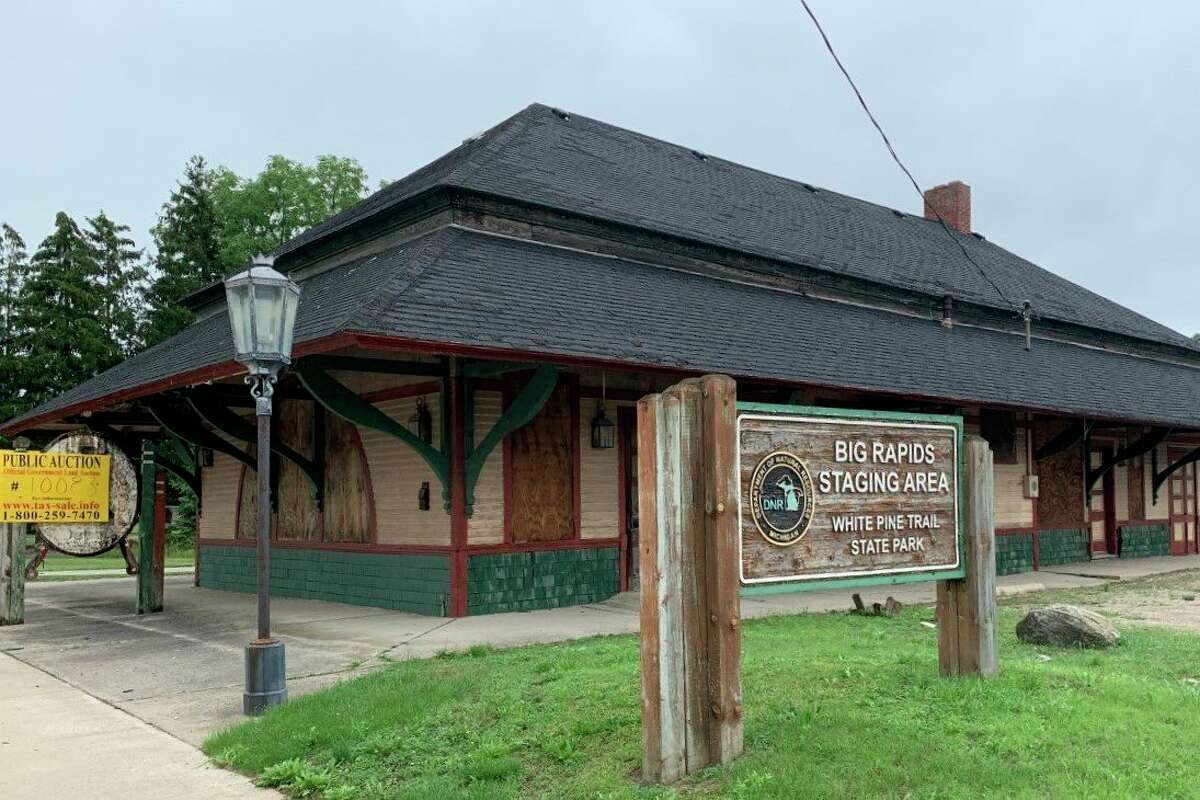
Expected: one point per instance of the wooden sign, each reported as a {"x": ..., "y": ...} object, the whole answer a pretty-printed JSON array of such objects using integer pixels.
[{"x": 828, "y": 494}]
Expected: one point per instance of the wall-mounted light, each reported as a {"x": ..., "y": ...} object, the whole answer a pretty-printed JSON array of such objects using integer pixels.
[
  {"x": 604, "y": 433},
  {"x": 206, "y": 457},
  {"x": 423, "y": 496},
  {"x": 421, "y": 422}
]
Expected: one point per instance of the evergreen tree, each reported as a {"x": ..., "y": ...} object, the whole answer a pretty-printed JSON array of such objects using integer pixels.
[
  {"x": 187, "y": 243},
  {"x": 60, "y": 319},
  {"x": 13, "y": 267},
  {"x": 121, "y": 279}
]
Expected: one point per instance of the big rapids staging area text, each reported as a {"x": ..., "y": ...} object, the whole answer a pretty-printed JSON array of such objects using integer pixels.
[{"x": 873, "y": 468}]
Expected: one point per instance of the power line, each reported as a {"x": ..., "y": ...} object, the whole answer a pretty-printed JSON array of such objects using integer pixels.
[{"x": 862, "y": 102}]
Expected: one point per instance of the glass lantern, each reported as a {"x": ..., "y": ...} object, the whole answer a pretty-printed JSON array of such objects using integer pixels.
[{"x": 262, "y": 314}]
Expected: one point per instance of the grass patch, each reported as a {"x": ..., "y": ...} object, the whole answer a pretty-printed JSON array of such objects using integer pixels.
[
  {"x": 837, "y": 706},
  {"x": 58, "y": 562}
]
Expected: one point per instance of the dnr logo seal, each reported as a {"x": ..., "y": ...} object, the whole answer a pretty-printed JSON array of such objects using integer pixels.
[{"x": 781, "y": 498}]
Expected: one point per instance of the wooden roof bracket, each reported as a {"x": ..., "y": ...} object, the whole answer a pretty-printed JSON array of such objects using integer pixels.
[
  {"x": 183, "y": 423},
  {"x": 1067, "y": 438},
  {"x": 339, "y": 399},
  {"x": 237, "y": 427},
  {"x": 182, "y": 467},
  {"x": 1160, "y": 478},
  {"x": 523, "y": 408},
  {"x": 1140, "y": 446}
]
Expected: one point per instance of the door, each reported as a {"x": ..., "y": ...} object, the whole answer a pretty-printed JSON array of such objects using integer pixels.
[
  {"x": 1102, "y": 507},
  {"x": 627, "y": 433},
  {"x": 1181, "y": 499}
]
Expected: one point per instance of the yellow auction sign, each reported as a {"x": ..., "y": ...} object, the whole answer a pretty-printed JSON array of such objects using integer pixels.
[{"x": 54, "y": 487}]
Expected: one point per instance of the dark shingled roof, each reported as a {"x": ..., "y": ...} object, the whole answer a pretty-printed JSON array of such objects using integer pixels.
[
  {"x": 473, "y": 289},
  {"x": 579, "y": 165}
]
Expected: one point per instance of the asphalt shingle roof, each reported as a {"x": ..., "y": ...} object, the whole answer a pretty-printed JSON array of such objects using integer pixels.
[
  {"x": 467, "y": 288},
  {"x": 583, "y": 166}
]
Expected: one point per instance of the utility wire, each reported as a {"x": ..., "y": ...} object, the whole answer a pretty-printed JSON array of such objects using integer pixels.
[{"x": 862, "y": 102}]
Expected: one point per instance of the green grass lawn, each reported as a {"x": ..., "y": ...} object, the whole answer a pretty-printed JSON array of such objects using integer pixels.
[
  {"x": 837, "y": 706},
  {"x": 58, "y": 562}
]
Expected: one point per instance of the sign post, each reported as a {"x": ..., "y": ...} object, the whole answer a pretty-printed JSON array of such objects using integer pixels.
[
  {"x": 966, "y": 608},
  {"x": 691, "y": 622},
  {"x": 745, "y": 499},
  {"x": 12, "y": 573}
]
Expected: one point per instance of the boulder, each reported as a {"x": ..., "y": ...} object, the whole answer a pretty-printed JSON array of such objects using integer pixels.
[{"x": 1067, "y": 626}]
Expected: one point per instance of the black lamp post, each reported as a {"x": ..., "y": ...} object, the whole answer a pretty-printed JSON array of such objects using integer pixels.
[{"x": 262, "y": 313}]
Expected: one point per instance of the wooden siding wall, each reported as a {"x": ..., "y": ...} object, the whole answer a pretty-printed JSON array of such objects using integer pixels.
[
  {"x": 219, "y": 486},
  {"x": 1013, "y": 508},
  {"x": 1161, "y": 509},
  {"x": 599, "y": 475},
  {"x": 397, "y": 473},
  {"x": 486, "y": 525}
]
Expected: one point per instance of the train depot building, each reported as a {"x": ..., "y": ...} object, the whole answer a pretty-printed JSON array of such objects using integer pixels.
[{"x": 457, "y": 432}]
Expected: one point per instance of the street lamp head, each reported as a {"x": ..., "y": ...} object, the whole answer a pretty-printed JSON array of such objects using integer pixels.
[{"x": 262, "y": 314}]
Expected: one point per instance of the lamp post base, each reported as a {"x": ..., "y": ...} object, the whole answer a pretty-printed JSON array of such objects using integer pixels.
[{"x": 266, "y": 677}]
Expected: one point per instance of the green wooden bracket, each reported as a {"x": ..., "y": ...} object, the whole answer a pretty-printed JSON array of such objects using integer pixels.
[
  {"x": 523, "y": 408},
  {"x": 335, "y": 396},
  {"x": 181, "y": 421},
  {"x": 233, "y": 424}
]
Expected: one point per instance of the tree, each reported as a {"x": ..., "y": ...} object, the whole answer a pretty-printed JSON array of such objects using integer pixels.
[
  {"x": 13, "y": 267},
  {"x": 287, "y": 197},
  {"x": 187, "y": 243},
  {"x": 61, "y": 334},
  {"x": 121, "y": 281}
]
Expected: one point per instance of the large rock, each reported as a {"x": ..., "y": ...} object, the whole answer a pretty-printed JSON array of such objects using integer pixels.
[{"x": 1067, "y": 626}]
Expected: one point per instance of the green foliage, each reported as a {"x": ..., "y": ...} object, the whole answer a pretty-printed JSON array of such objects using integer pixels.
[
  {"x": 216, "y": 221},
  {"x": 181, "y": 531},
  {"x": 62, "y": 337},
  {"x": 187, "y": 244},
  {"x": 837, "y": 706},
  {"x": 14, "y": 265},
  {"x": 121, "y": 278},
  {"x": 260, "y": 214}
]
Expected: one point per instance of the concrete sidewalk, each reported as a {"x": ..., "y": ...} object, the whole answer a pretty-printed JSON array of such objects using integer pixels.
[{"x": 59, "y": 742}]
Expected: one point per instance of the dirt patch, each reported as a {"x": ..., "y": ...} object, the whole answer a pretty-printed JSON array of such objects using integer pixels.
[{"x": 1171, "y": 600}]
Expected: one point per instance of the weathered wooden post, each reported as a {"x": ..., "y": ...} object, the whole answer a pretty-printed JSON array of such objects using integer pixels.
[
  {"x": 690, "y": 618},
  {"x": 151, "y": 534},
  {"x": 12, "y": 573},
  {"x": 966, "y": 608}
]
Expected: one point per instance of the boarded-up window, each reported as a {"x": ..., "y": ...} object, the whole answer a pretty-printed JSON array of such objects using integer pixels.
[
  {"x": 349, "y": 505},
  {"x": 543, "y": 470}
]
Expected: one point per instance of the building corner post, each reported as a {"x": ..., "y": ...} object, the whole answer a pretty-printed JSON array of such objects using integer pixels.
[{"x": 458, "y": 491}]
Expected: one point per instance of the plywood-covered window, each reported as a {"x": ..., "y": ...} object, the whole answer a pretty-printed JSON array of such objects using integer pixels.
[
  {"x": 542, "y": 494},
  {"x": 348, "y": 515}
]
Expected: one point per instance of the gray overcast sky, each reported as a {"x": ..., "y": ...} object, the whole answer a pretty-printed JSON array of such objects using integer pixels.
[{"x": 1075, "y": 124}]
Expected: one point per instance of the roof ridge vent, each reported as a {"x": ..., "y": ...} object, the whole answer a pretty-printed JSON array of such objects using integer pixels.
[
  {"x": 563, "y": 115},
  {"x": 979, "y": 236},
  {"x": 899, "y": 214},
  {"x": 809, "y": 186},
  {"x": 700, "y": 155}
]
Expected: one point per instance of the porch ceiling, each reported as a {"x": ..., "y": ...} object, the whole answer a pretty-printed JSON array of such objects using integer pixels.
[{"x": 458, "y": 291}]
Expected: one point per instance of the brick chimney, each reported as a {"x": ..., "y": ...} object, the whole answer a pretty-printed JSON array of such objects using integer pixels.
[{"x": 953, "y": 202}]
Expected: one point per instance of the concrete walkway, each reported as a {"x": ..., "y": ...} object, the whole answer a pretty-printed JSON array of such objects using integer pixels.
[
  {"x": 181, "y": 670},
  {"x": 59, "y": 742}
]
